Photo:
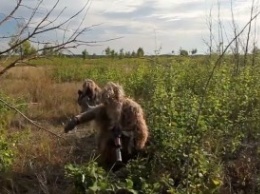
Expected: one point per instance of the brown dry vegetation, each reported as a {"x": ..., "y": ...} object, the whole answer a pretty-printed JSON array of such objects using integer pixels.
[{"x": 40, "y": 156}]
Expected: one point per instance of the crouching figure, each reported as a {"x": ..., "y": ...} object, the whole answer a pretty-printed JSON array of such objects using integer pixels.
[{"x": 121, "y": 128}]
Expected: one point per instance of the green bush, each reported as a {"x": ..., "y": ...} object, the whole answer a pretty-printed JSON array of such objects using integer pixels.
[
  {"x": 195, "y": 133},
  {"x": 6, "y": 151},
  {"x": 90, "y": 178}
]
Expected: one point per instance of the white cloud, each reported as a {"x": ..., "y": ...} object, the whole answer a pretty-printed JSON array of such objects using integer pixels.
[
  {"x": 177, "y": 23},
  {"x": 121, "y": 6}
]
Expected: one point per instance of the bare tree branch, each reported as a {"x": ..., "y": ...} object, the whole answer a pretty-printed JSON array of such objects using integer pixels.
[
  {"x": 211, "y": 36},
  {"x": 220, "y": 44},
  {"x": 31, "y": 29},
  {"x": 11, "y": 65},
  {"x": 12, "y": 12},
  {"x": 255, "y": 36},
  {"x": 236, "y": 49},
  {"x": 29, "y": 120},
  {"x": 248, "y": 33}
]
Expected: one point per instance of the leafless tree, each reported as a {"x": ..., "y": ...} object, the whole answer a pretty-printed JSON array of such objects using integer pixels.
[
  {"x": 220, "y": 31},
  {"x": 37, "y": 22},
  {"x": 255, "y": 35},
  {"x": 249, "y": 33},
  {"x": 41, "y": 22},
  {"x": 235, "y": 49},
  {"x": 211, "y": 36}
]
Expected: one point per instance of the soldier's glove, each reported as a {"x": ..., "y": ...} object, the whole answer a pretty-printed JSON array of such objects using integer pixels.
[{"x": 71, "y": 124}]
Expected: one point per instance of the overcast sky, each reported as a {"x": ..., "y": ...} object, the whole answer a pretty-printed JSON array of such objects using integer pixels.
[{"x": 166, "y": 25}]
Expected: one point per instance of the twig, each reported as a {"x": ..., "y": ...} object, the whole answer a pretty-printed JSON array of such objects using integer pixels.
[
  {"x": 19, "y": 60},
  {"x": 248, "y": 33},
  {"x": 11, "y": 13},
  {"x": 236, "y": 50},
  {"x": 29, "y": 120}
]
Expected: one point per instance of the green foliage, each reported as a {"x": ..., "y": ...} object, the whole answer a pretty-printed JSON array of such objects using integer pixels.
[
  {"x": 26, "y": 48},
  {"x": 183, "y": 52},
  {"x": 133, "y": 54},
  {"x": 107, "y": 51},
  {"x": 140, "y": 52},
  {"x": 194, "y": 51},
  {"x": 188, "y": 152},
  {"x": 6, "y": 152},
  {"x": 49, "y": 50},
  {"x": 84, "y": 54},
  {"x": 192, "y": 143},
  {"x": 255, "y": 50},
  {"x": 90, "y": 178},
  {"x": 121, "y": 54}
]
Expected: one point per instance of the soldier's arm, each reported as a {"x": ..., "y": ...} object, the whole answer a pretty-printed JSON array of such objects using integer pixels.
[
  {"x": 84, "y": 117},
  {"x": 88, "y": 115}
]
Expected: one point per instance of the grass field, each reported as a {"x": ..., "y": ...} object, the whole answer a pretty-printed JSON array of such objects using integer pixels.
[{"x": 205, "y": 129}]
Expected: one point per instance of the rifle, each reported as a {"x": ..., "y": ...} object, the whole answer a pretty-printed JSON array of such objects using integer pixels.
[{"x": 117, "y": 140}]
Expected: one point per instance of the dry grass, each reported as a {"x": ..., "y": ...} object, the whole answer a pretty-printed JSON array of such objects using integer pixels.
[
  {"x": 40, "y": 157},
  {"x": 46, "y": 99}
]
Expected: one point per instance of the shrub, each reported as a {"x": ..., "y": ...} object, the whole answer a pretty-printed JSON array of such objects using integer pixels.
[
  {"x": 6, "y": 151},
  {"x": 198, "y": 137}
]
